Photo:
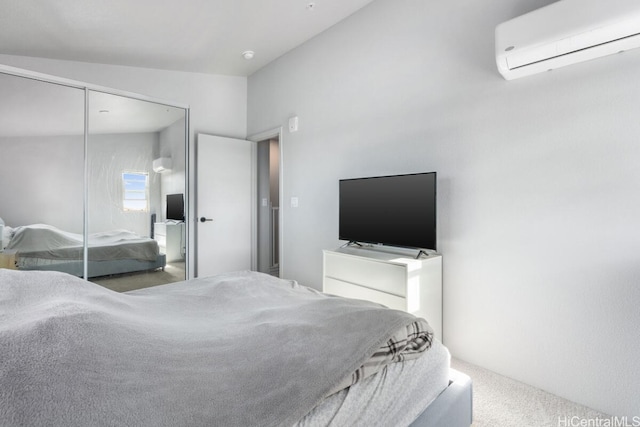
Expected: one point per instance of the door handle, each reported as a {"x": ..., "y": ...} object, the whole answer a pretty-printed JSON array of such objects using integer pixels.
[{"x": 203, "y": 219}]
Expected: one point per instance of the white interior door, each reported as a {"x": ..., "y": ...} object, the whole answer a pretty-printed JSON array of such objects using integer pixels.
[{"x": 225, "y": 190}]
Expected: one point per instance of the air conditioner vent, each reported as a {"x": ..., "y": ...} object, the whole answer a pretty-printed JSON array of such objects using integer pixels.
[{"x": 566, "y": 32}]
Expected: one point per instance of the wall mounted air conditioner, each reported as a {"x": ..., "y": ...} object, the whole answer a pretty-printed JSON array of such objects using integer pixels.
[
  {"x": 564, "y": 33},
  {"x": 161, "y": 165}
]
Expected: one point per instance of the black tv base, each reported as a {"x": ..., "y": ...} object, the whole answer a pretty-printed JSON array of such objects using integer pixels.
[{"x": 352, "y": 243}]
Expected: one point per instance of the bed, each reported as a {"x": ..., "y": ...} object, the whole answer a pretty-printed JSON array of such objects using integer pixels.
[
  {"x": 237, "y": 349},
  {"x": 45, "y": 247}
]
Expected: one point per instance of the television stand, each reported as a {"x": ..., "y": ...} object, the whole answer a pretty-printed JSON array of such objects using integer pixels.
[{"x": 391, "y": 278}]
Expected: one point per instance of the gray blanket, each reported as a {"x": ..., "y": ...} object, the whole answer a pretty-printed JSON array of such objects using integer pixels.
[
  {"x": 48, "y": 242},
  {"x": 239, "y": 349}
]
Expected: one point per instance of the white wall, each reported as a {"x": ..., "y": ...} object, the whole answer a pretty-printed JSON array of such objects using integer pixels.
[
  {"x": 538, "y": 186},
  {"x": 109, "y": 156},
  {"x": 42, "y": 181}
]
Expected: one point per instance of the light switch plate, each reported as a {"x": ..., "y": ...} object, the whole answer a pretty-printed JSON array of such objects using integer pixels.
[{"x": 293, "y": 124}]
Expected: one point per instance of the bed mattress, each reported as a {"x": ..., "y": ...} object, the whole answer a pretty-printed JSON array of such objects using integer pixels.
[{"x": 393, "y": 397}]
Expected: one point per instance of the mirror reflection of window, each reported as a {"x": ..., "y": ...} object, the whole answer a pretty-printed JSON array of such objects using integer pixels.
[{"x": 135, "y": 186}]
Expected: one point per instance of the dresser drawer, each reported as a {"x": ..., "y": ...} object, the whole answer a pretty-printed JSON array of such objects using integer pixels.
[
  {"x": 385, "y": 277},
  {"x": 348, "y": 290}
]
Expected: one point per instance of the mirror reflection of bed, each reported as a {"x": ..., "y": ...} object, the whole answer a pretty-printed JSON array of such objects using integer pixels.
[
  {"x": 108, "y": 188},
  {"x": 120, "y": 260}
]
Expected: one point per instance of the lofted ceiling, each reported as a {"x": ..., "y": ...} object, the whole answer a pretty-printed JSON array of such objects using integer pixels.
[{"x": 206, "y": 36}]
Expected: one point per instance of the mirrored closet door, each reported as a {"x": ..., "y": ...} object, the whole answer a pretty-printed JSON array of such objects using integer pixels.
[
  {"x": 89, "y": 197},
  {"x": 136, "y": 162},
  {"x": 42, "y": 174}
]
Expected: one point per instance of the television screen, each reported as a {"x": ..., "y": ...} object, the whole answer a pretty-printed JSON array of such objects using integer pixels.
[
  {"x": 175, "y": 207},
  {"x": 397, "y": 210}
]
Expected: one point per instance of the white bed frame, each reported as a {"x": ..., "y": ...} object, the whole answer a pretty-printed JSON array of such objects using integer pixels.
[{"x": 453, "y": 407}]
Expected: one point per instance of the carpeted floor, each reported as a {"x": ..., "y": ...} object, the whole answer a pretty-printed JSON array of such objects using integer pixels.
[
  {"x": 173, "y": 272},
  {"x": 499, "y": 401}
]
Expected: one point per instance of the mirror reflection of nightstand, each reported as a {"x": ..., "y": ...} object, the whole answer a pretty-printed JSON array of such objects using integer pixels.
[{"x": 8, "y": 259}]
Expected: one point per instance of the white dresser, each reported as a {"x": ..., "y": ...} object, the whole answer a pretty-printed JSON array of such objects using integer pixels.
[
  {"x": 171, "y": 239},
  {"x": 393, "y": 279}
]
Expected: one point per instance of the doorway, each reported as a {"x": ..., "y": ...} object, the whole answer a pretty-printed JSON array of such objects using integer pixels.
[
  {"x": 225, "y": 202},
  {"x": 268, "y": 215},
  {"x": 238, "y": 197}
]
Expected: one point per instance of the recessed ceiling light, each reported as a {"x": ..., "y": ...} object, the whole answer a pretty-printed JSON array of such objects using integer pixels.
[
  {"x": 103, "y": 111},
  {"x": 248, "y": 54}
]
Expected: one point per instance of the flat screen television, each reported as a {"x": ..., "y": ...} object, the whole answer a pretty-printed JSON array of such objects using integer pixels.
[
  {"x": 398, "y": 210},
  {"x": 175, "y": 207}
]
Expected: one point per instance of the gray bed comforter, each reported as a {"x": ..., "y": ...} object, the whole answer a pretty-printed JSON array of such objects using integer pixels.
[
  {"x": 239, "y": 349},
  {"x": 48, "y": 242}
]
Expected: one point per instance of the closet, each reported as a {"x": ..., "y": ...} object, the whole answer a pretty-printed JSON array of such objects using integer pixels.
[{"x": 79, "y": 191}]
